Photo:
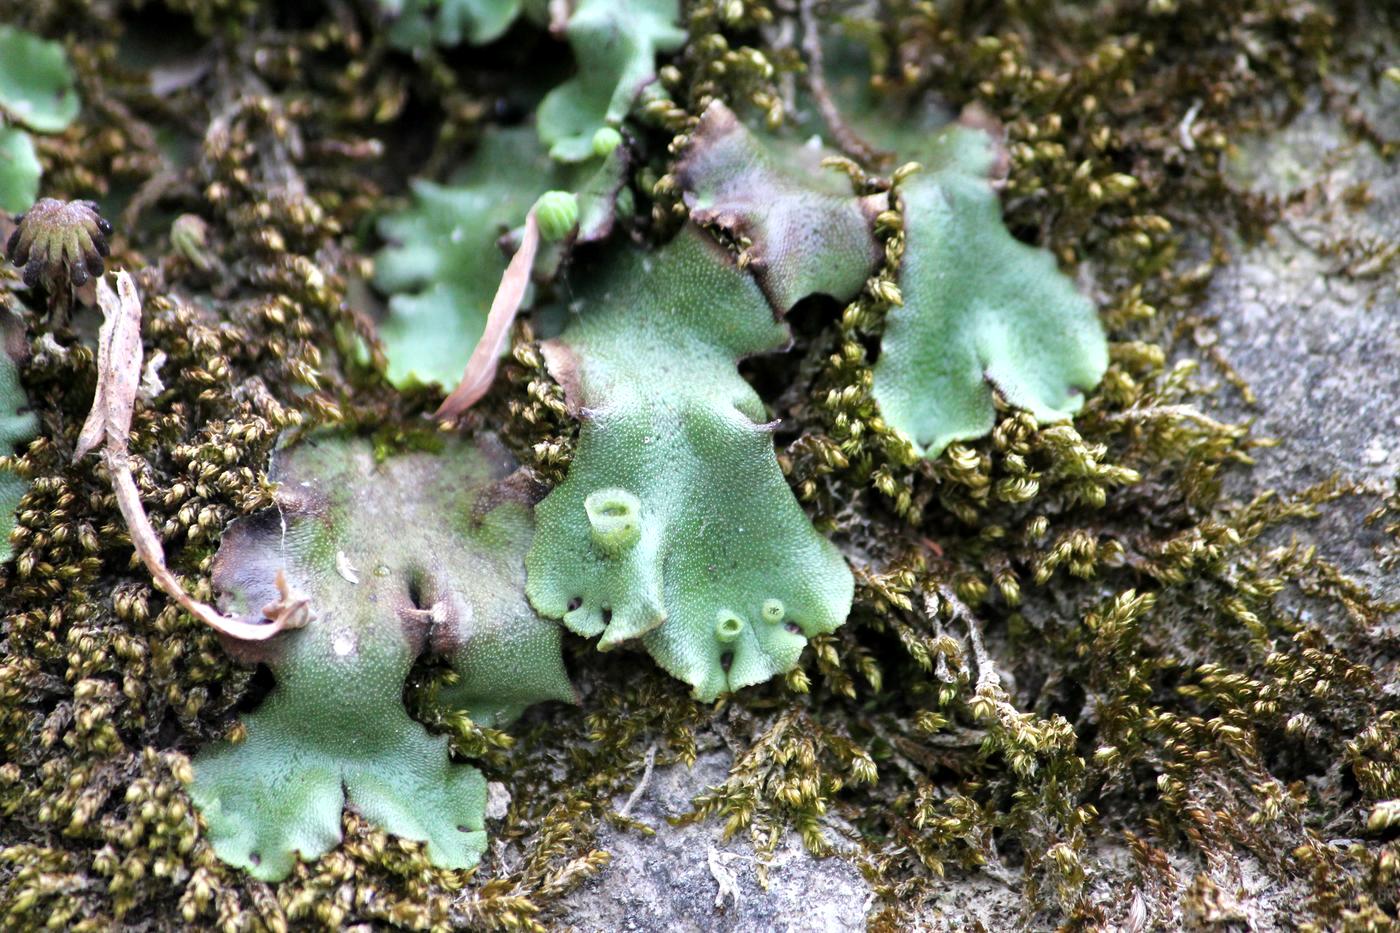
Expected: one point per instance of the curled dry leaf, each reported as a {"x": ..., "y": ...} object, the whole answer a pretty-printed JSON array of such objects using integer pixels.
[
  {"x": 118, "y": 368},
  {"x": 481, "y": 366},
  {"x": 289, "y": 610},
  {"x": 109, "y": 424}
]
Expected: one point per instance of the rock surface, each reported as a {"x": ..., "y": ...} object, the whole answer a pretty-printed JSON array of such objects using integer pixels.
[
  {"x": 688, "y": 878},
  {"x": 1311, "y": 320}
]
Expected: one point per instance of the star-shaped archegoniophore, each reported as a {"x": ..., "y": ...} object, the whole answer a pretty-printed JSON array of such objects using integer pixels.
[
  {"x": 422, "y": 552},
  {"x": 675, "y": 524},
  {"x": 56, "y": 241}
]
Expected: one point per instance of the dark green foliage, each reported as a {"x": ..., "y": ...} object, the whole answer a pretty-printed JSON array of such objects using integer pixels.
[
  {"x": 982, "y": 315},
  {"x": 419, "y": 23},
  {"x": 37, "y": 94},
  {"x": 615, "y": 44},
  {"x": 674, "y": 525},
  {"x": 443, "y": 260}
]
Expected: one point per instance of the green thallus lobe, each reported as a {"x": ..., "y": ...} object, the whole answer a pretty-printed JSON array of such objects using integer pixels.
[
  {"x": 446, "y": 581},
  {"x": 675, "y": 525}
]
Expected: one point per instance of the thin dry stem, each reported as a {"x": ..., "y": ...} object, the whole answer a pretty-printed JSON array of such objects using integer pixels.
[{"x": 118, "y": 379}]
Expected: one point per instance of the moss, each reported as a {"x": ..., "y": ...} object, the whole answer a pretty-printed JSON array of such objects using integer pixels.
[{"x": 1060, "y": 635}]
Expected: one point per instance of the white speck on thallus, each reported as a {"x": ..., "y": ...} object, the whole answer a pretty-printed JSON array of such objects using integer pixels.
[
  {"x": 343, "y": 567},
  {"x": 343, "y": 643}
]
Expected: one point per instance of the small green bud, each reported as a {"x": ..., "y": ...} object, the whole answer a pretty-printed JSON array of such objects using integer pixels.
[
  {"x": 557, "y": 213},
  {"x": 615, "y": 517},
  {"x": 189, "y": 234},
  {"x": 606, "y": 140},
  {"x": 626, "y": 204},
  {"x": 773, "y": 611}
]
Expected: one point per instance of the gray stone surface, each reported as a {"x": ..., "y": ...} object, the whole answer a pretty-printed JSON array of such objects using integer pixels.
[
  {"x": 687, "y": 878},
  {"x": 1311, "y": 320}
]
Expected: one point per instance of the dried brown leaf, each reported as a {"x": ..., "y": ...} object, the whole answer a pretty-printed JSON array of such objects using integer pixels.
[
  {"x": 118, "y": 378},
  {"x": 118, "y": 367},
  {"x": 486, "y": 357}
]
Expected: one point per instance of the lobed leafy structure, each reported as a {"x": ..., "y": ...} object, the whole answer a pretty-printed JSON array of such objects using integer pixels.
[
  {"x": 442, "y": 266},
  {"x": 444, "y": 260},
  {"x": 419, "y": 553},
  {"x": 36, "y": 94},
  {"x": 1262, "y": 746},
  {"x": 615, "y": 44},
  {"x": 675, "y": 524},
  {"x": 981, "y": 312},
  {"x": 417, "y": 23},
  {"x": 800, "y": 229}
]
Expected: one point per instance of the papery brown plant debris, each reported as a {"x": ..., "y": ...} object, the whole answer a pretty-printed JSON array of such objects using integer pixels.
[{"x": 1065, "y": 639}]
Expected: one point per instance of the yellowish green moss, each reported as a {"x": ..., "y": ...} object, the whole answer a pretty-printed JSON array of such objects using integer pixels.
[{"x": 1060, "y": 635}]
